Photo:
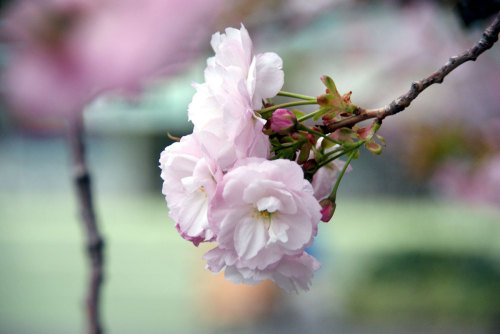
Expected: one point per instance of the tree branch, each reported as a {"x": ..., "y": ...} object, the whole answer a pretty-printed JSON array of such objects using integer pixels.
[
  {"x": 490, "y": 36},
  {"x": 95, "y": 243}
]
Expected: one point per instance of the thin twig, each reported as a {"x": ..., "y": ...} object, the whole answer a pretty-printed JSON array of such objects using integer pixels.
[
  {"x": 490, "y": 36},
  {"x": 94, "y": 242}
]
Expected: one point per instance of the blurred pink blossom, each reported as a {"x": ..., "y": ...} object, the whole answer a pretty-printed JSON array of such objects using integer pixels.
[
  {"x": 65, "y": 52},
  {"x": 480, "y": 184}
]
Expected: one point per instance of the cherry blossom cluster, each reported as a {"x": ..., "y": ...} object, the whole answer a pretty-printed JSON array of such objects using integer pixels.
[{"x": 252, "y": 178}]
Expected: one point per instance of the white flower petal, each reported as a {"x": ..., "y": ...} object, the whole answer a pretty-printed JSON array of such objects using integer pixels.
[
  {"x": 269, "y": 77},
  {"x": 250, "y": 237}
]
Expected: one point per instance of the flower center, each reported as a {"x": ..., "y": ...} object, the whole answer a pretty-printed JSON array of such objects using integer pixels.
[
  {"x": 264, "y": 216},
  {"x": 202, "y": 189}
]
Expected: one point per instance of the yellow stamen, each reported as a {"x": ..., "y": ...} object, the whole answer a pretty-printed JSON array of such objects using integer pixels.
[
  {"x": 265, "y": 216},
  {"x": 202, "y": 189}
]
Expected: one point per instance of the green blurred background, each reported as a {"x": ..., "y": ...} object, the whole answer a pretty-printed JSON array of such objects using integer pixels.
[{"x": 409, "y": 250}]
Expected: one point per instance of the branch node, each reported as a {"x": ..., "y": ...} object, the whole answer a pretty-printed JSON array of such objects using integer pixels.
[
  {"x": 95, "y": 245},
  {"x": 81, "y": 174}
]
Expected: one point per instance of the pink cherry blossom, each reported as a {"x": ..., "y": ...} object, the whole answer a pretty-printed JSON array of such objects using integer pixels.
[
  {"x": 221, "y": 187},
  {"x": 291, "y": 273},
  {"x": 264, "y": 210},
  {"x": 224, "y": 104},
  {"x": 190, "y": 178},
  {"x": 222, "y": 107},
  {"x": 262, "y": 72},
  {"x": 267, "y": 79},
  {"x": 233, "y": 78},
  {"x": 325, "y": 178}
]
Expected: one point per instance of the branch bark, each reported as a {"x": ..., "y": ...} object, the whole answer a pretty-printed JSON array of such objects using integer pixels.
[
  {"x": 94, "y": 241},
  {"x": 490, "y": 37}
]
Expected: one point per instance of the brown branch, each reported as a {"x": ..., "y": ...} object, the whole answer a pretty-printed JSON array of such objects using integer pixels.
[
  {"x": 95, "y": 243},
  {"x": 490, "y": 36}
]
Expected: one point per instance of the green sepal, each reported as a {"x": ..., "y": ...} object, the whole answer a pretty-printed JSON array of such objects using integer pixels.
[
  {"x": 287, "y": 139},
  {"x": 325, "y": 144},
  {"x": 286, "y": 153},
  {"x": 298, "y": 113},
  {"x": 334, "y": 103},
  {"x": 382, "y": 140},
  {"x": 304, "y": 153},
  {"x": 330, "y": 84},
  {"x": 274, "y": 141},
  {"x": 318, "y": 156},
  {"x": 373, "y": 147},
  {"x": 321, "y": 112},
  {"x": 344, "y": 135}
]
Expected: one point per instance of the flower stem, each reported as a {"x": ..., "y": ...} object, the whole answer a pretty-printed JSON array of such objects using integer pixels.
[
  {"x": 334, "y": 151},
  {"x": 267, "y": 112},
  {"x": 303, "y": 118},
  {"x": 307, "y": 129},
  {"x": 333, "y": 194},
  {"x": 296, "y": 96},
  {"x": 288, "y": 145},
  {"x": 326, "y": 162}
]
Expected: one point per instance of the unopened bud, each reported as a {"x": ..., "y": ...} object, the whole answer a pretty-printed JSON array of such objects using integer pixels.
[
  {"x": 309, "y": 166},
  {"x": 327, "y": 209},
  {"x": 283, "y": 121}
]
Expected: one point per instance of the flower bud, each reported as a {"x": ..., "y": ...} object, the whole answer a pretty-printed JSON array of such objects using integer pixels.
[
  {"x": 283, "y": 121},
  {"x": 309, "y": 166},
  {"x": 327, "y": 209}
]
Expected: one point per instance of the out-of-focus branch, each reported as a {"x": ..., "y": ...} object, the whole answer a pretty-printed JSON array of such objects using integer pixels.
[
  {"x": 94, "y": 242},
  {"x": 490, "y": 36}
]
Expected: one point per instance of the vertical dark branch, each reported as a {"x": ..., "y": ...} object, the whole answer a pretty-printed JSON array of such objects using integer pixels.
[{"x": 94, "y": 241}]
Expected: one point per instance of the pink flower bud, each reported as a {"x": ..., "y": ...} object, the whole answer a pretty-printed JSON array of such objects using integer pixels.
[
  {"x": 283, "y": 121},
  {"x": 309, "y": 166},
  {"x": 327, "y": 209}
]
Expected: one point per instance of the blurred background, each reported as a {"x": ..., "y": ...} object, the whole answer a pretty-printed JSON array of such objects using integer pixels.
[{"x": 414, "y": 246}]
